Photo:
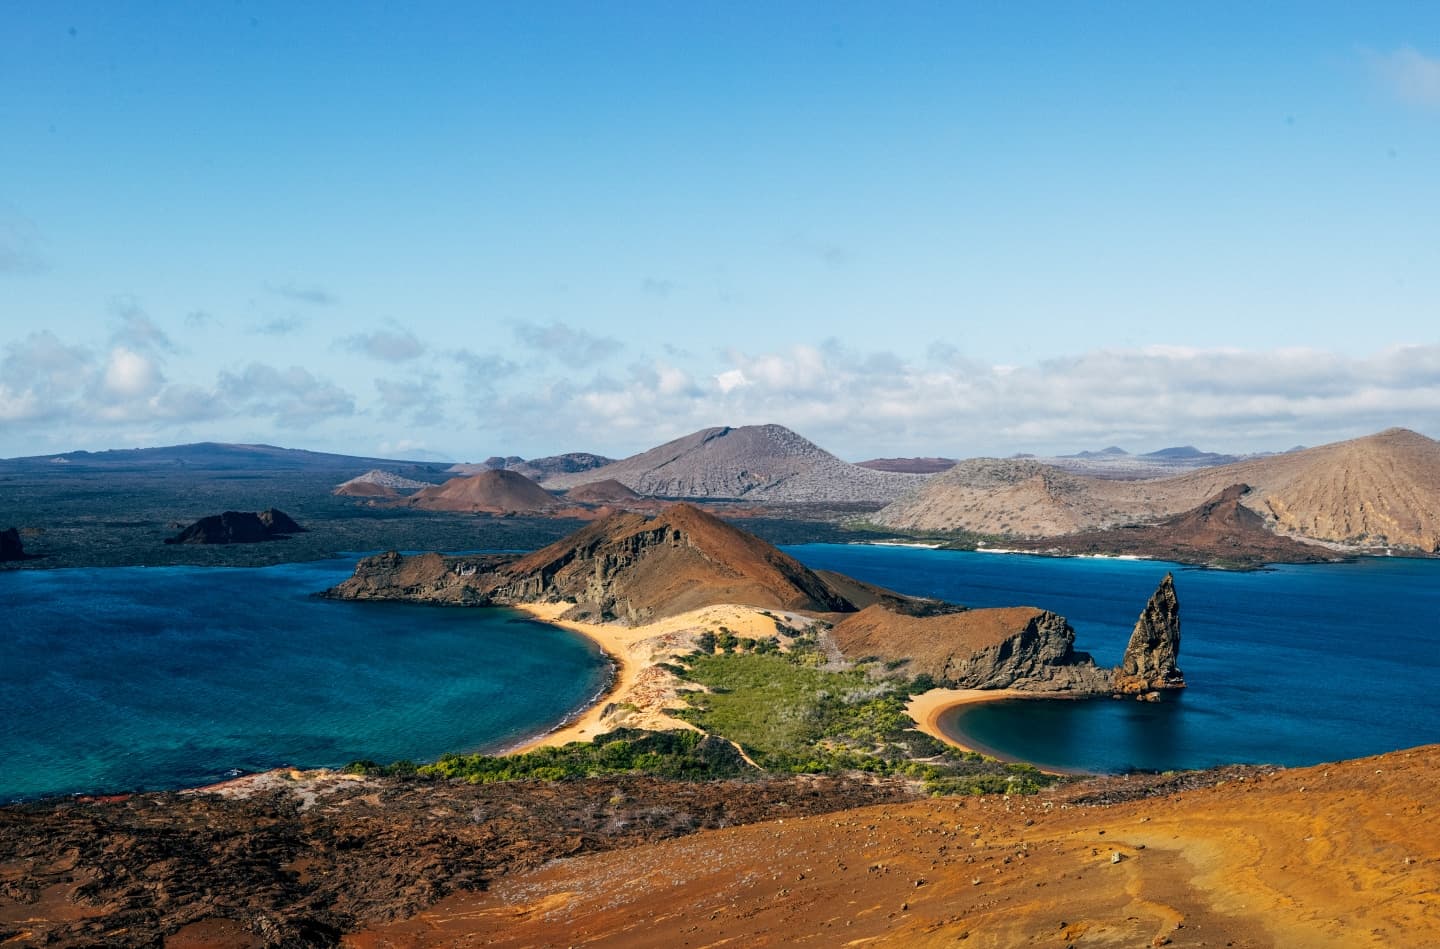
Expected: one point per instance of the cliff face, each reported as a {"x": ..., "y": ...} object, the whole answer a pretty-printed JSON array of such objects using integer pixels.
[
  {"x": 1150, "y": 658},
  {"x": 1017, "y": 647}
]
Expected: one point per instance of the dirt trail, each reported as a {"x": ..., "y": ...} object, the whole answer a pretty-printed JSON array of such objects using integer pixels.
[{"x": 1339, "y": 855}]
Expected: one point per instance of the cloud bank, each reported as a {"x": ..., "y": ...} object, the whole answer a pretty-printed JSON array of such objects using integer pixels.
[{"x": 855, "y": 403}]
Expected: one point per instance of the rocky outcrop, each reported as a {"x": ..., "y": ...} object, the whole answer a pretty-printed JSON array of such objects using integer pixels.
[
  {"x": 238, "y": 527},
  {"x": 1149, "y": 665},
  {"x": 1016, "y": 647},
  {"x": 423, "y": 578},
  {"x": 10, "y": 546}
]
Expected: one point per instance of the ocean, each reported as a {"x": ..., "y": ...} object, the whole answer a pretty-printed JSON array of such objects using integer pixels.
[
  {"x": 119, "y": 679},
  {"x": 1292, "y": 665}
]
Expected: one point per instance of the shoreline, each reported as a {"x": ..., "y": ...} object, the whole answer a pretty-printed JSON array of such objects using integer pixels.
[
  {"x": 583, "y": 724},
  {"x": 927, "y": 708}
]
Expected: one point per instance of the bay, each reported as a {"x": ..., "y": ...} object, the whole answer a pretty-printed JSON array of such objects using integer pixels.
[
  {"x": 119, "y": 679},
  {"x": 1292, "y": 665}
]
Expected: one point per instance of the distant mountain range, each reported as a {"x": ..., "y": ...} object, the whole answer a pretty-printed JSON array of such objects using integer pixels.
[
  {"x": 1380, "y": 490},
  {"x": 219, "y": 456},
  {"x": 536, "y": 469},
  {"x": 752, "y": 463}
]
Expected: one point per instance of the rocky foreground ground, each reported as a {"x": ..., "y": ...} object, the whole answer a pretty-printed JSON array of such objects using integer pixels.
[
  {"x": 299, "y": 859},
  {"x": 1336, "y": 855}
]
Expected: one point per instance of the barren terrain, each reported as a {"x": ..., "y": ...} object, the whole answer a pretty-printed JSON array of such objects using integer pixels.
[{"x": 1243, "y": 857}]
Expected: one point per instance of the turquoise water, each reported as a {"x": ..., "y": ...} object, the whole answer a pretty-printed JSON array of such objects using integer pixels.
[
  {"x": 1293, "y": 665},
  {"x": 120, "y": 679}
]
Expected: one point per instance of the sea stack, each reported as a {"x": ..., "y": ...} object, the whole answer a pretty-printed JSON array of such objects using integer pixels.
[{"x": 1149, "y": 664}]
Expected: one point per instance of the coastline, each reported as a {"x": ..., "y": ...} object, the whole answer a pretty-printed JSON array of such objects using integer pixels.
[
  {"x": 927, "y": 708},
  {"x": 584, "y": 724}
]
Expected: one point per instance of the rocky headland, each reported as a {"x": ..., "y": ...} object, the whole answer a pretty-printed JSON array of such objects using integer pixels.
[
  {"x": 634, "y": 570},
  {"x": 239, "y": 527}
]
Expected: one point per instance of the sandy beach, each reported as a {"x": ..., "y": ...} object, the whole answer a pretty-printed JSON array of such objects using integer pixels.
[
  {"x": 927, "y": 707},
  {"x": 641, "y": 694}
]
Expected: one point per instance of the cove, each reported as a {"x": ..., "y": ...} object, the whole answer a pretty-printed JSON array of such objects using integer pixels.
[
  {"x": 1292, "y": 665},
  {"x": 120, "y": 679}
]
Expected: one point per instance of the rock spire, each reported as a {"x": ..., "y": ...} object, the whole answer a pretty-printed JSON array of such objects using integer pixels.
[{"x": 1149, "y": 663}]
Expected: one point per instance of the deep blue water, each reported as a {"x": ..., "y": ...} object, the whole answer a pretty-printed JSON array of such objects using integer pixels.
[
  {"x": 1293, "y": 665},
  {"x": 126, "y": 678}
]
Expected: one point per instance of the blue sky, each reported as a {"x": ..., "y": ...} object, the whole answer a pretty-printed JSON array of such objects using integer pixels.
[{"x": 959, "y": 229}]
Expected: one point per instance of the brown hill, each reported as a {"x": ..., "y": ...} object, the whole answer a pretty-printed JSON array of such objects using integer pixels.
[
  {"x": 366, "y": 489},
  {"x": 628, "y": 567},
  {"x": 1379, "y": 491},
  {"x": 1220, "y": 532},
  {"x": 637, "y": 569},
  {"x": 489, "y": 492},
  {"x": 601, "y": 492},
  {"x": 1019, "y": 647},
  {"x": 751, "y": 462}
]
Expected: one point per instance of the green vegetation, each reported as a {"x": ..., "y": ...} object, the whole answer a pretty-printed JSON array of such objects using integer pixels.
[
  {"x": 676, "y": 754},
  {"x": 791, "y": 715},
  {"x": 786, "y": 710}
]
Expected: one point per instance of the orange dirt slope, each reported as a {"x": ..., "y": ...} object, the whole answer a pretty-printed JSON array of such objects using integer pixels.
[{"x": 1338, "y": 855}]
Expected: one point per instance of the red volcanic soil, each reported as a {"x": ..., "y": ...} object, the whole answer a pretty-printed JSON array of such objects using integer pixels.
[
  {"x": 489, "y": 492},
  {"x": 1340, "y": 855},
  {"x": 600, "y": 492}
]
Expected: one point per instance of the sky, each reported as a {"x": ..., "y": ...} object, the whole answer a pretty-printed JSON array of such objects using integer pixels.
[{"x": 454, "y": 230}]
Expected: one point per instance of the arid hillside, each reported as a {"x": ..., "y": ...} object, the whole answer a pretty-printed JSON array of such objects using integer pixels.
[
  {"x": 1380, "y": 490},
  {"x": 754, "y": 462},
  {"x": 489, "y": 492},
  {"x": 1338, "y": 855}
]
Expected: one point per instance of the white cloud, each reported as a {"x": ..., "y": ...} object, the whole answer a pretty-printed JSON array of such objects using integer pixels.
[
  {"x": 293, "y": 397},
  {"x": 565, "y": 343},
  {"x": 860, "y": 404},
  {"x": 130, "y": 375},
  {"x": 1410, "y": 74},
  {"x": 386, "y": 345}
]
